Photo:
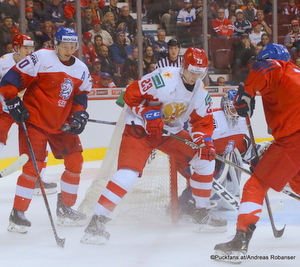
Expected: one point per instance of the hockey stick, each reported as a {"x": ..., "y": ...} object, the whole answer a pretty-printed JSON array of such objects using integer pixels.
[
  {"x": 103, "y": 122},
  {"x": 217, "y": 187},
  {"x": 20, "y": 161},
  {"x": 59, "y": 241},
  {"x": 277, "y": 233},
  {"x": 193, "y": 145},
  {"x": 291, "y": 194}
]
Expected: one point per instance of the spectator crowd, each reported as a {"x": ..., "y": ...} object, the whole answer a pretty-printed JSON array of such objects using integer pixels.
[{"x": 109, "y": 42}]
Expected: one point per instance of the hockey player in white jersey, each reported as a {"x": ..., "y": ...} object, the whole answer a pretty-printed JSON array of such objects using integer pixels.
[
  {"x": 230, "y": 139},
  {"x": 57, "y": 85},
  {"x": 164, "y": 99},
  {"x": 23, "y": 46}
]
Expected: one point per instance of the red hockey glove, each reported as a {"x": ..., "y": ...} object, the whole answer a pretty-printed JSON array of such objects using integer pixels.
[
  {"x": 153, "y": 123},
  {"x": 208, "y": 152},
  {"x": 209, "y": 146},
  {"x": 244, "y": 103},
  {"x": 17, "y": 110}
]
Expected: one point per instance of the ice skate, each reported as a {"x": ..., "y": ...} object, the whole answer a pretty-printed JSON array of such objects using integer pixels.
[
  {"x": 209, "y": 222},
  {"x": 186, "y": 203},
  {"x": 18, "y": 223},
  {"x": 50, "y": 188},
  {"x": 66, "y": 216},
  {"x": 233, "y": 250},
  {"x": 95, "y": 233}
]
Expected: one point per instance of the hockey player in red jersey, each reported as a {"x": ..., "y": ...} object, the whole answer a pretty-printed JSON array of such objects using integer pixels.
[
  {"x": 277, "y": 80},
  {"x": 23, "y": 46},
  {"x": 56, "y": 85},
  {"x": 164, "y": 99}
]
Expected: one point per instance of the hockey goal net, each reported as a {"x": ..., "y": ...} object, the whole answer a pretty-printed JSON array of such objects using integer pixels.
[{"x": 154, "y": 196}]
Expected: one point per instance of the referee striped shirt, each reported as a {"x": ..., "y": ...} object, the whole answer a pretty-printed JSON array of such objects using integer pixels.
[{"x": 166, "y": 62}]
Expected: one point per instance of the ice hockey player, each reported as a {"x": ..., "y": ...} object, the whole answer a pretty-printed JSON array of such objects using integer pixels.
[
  {"x": 23, "y": 46},
  {"x": 57, "y": 86},
  {"x": 277, "y": 80},
  {"x": 165, "y": 98}
]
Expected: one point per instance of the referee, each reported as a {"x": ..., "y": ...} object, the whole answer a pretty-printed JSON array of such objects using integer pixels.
[{"x": 173, "y": 59}]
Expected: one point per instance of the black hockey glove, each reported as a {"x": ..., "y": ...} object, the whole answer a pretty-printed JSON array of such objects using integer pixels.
[
  {"x": 244, "y": 103},
  {"x": 78, "y": 122},
  {"x": 17, "y": 109}
]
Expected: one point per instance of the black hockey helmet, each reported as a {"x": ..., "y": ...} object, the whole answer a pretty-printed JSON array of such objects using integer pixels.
[{"x": 173, "y": 42}]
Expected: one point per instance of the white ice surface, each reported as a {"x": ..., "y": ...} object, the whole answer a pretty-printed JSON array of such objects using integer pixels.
[{"x": 164, "y": 245}]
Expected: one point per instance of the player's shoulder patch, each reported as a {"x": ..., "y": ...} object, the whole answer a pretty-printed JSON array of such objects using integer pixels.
[
  {"x": 208, "y": 99},
  {"x": 158, "y": 81}
]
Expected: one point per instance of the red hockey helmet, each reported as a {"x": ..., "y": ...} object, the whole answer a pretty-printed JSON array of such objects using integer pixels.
[
  {"x": 22, "y": 39},
  {"x": 195, "y": 60}
]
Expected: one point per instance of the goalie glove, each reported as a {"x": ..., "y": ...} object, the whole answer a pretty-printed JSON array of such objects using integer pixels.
[
  {"x": 17, "y": 110},
  {"x": 77, "y": 123},
  {"x": 243, "y": 102},
  {"x": 153, "y": 122},
  {"x": 208, "y": 152},
  {"x": 250, "y": 153}
]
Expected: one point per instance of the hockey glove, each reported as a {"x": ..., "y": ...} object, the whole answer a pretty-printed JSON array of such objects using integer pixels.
[
  {"x": 208, "y": 152},
  {"x": 244, "y": 103},
  {"x": 153, "y": 123},
  {"x": 78, "y": 122},
  {"x": 17, "y": 109}
]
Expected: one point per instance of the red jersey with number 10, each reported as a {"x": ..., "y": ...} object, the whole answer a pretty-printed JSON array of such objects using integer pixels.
[{"x": 52, "y": 88}]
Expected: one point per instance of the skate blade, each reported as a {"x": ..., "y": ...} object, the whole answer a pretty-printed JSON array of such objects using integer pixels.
[
  {"x": 66, "y": 222},
  {"x": 211, "y": 229},
  {"x": 93, "y": 240},
  {"x": 14, "y": 228},
  {"x": 234, "y": 257},
  {"x": 50, "y": 191}
]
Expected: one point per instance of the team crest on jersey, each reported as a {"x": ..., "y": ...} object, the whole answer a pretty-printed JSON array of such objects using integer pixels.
[
  {"x": 158, "y": 81},
  {"x": 173, "y": 111},
  {"x": 66, "y": 88},
  {"x": 167, "y": 74}
]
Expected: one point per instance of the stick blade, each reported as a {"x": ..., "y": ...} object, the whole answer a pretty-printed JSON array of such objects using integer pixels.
[
  {"x": 60, "y": 241},
  {"x": 279, "y": 233},
  {"x": 20, "y": 161}
]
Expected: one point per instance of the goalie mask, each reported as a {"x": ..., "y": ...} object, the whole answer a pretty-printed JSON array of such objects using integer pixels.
[{"x": 229, "y": 109}]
